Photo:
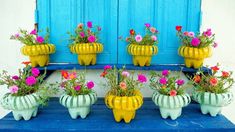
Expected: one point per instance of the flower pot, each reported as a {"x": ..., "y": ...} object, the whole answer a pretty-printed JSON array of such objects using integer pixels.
[
  {"x": 142, "y": 54},
  {"x": 38, "y": 54},
  {"x": 124, "y": 107},
  {"x": 22, "y": 106},
  {"x": 212, "y": 103},
  {"x": 87, "y": 52},
  {"x": 78, "y": 105},
  {"x": 194, "y": 57},
  {"x": 170, "y": 106}
]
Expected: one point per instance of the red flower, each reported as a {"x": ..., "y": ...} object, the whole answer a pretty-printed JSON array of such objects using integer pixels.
[
  {"x": 26, "y": 63},
  {"x": 178, "y": 28},
  {"x": 173, "y": 93},
  {"x": 197, "y": 79},
  {"x": 225, "y": 74},
  {"x": 213, "y": 81},
  {"x": 103, "y": 74},
  {"x": 215, "y": 68},
  {"x": 132, "y": 32},
  {"x": 64, "y": 74}
]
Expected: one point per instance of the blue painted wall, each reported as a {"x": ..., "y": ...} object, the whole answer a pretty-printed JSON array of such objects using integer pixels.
[{"x": 116, "y": 17}]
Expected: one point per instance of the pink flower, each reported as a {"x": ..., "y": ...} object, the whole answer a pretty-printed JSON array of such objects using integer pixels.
[
  {"x": 180, "y": 82},
  {"x": 15, "y": 77},
  {"x": 125, "y": 74},
  {"x": 17, "y": 35},
  {"x": 165, "y": 72},
  {"x": 186, "y": 33},
  {"x": 107, "y": 67},
  {"x": 89, "y": 24},
  {"x": 82, "y": 34},
  {"x": 90, "y": 85},
  {"x": 13, "y": 89},
  {"x": 215, "y": 45},
  {"x": 191, "y": 34},
  {"x": 207, "y": 32},
  {"x": 154, "y": 38},
  {"x": 195, "y": 42},
  {"x": 163, "y": 81},
  {"x": 138, "y": 38},
  {"x": 153, "y": 30},
  {"x": 91, "y": 39},
  {"x": 173, "y": 93},
  {"x": 40, "y": 39},
  {"x": 147, "y": 25},
  {"x": 31, "y": 80},
  {"x": 142, "y": 78},
  {"x": 35, "y": 72},
  {"x": 77, "y": 88},
  {"x": 122, "y": 85},
  {"x": 99, "y": 28},
  {"x": 33, "y": 32}
]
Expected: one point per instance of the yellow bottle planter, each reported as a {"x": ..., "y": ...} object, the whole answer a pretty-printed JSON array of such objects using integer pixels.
[
  {"x": 142, "y": 54},
  {"x": 87, "y": 52},
  {"x": 194, "y": 57},
  {"x": 38, "y": 54},
  {"x": 124, "y": 107}
]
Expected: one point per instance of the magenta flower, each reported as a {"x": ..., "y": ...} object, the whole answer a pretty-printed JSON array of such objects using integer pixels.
[
  {"x": 77, "y": 88},
  {"x": 13, "y": 89},
  {"x": 31, "y": 80},
  {"x": 15, "y": 77},
  {"x": 154, "y": 38},
  {"x": 107, "y": 67},
  {"x": 35, "y": 72},
  {"x": 191, "y": 34},
  {"x": 82, "y": 34},
  {"x": 147, "y": 25},
  {"x": 33, "y": 32},
  {"x": 215, "y": 45},
  {"x": 40, "y": 39},
  {"x": 163, "y": 81},
  {"x": 165, "y": 72},
  {"x": 138, "y": 38},
  {"x": 91, "y": 39},
  {"x": 180, "y": 82},
  {"x": 207, "y": 32},
  {"x": 90, "y": 84},
  {"x": 195, "y": 42},
  {"x": 125, "y": 74},
  {"x": 142, "y": 78},
  {"x": 99, "y": 28},
  {"x": 89, "y": 24}
]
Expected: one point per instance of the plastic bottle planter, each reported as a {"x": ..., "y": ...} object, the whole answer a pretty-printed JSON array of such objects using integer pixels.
[
  {"x": 38, "y": 54},
  {"x": 124, "y": 107},
  {"x": 194, "y": 57},
  {"x": 142, "y": 54},
  {"x": 22, "y": 106},
  {"x": 87, "y": 52},
  {"x": 212, "y": 103},
  {"x": 78, "y": 105},
  {"x": 170, "y": 106}
]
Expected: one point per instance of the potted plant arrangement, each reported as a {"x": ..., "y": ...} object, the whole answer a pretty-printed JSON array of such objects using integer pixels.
[
  {"x": 169, "y": 94},
  {"x": 26, "y": 92},
  {"x": 195, "y": 47},
  {"x": 35, "y": 46},
  {"x": 123, "y": 98},
  {"x": 212, "y": 90},
  {"x": 142, "y": 48},
  {"x": 78, "y": 96},
  {"x": 85, "y": 43}
]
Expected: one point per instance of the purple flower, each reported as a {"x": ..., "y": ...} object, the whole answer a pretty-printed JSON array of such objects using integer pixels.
[
  {"x": 107, "y": 67},
  {"x": 82, "y": 34},
  {"x": 165, "y": 72},
  {"x": 35, "y": 72},
  {"x": 180, "y": 82},
  {"x": 90, "y": 84},
  {"x": 147, "y": 25},
  {"x": 33, "y": 32},
  {"x": 125, "y": 74},
  {"x": 215, "y": 45},
  {"x": 40, "y": 39},
  {"x": 13, "y": 89},
  {"x": 195, "y": 42},
  {"x": 31, "y": 80},
  {"x": 17, "y": 35},
  {"x": 91, "y": 39},
  {"x": 163, "y": 81},
  {"x": 77, "y": 88},
  {"x": 142, "y": 78},
  {"x": 62, "y": 85},
  {"x": 89, "y": 24},
  {"x": 15, "y": 77}
]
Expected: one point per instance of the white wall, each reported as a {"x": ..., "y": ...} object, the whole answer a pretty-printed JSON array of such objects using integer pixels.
[{"x": 217, "y": 14}]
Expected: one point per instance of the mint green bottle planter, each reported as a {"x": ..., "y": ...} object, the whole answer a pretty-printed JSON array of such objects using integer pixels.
[
  {"x": 78, "y": 105},
  {"x": 170, "y": 106},
  {"x": 212, "y": 103},
  {"x": 22, "y": 106}
]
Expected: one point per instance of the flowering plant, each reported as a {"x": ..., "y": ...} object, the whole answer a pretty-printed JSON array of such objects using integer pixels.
[
  {"x": 31, "y": 38},
  {"x": 122, "y": 82},
  {"x": 150, "y": 37},
  {"x": 213, "y": 83},
  {"x": 84, "y": 34},
  {"x": 166, "y": 84},
  {"x": 74, "y": 84},
  {"x": 198, "y": 40}
]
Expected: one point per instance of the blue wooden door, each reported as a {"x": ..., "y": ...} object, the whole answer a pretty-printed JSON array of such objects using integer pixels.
[{"x": 117, "y": 17}]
